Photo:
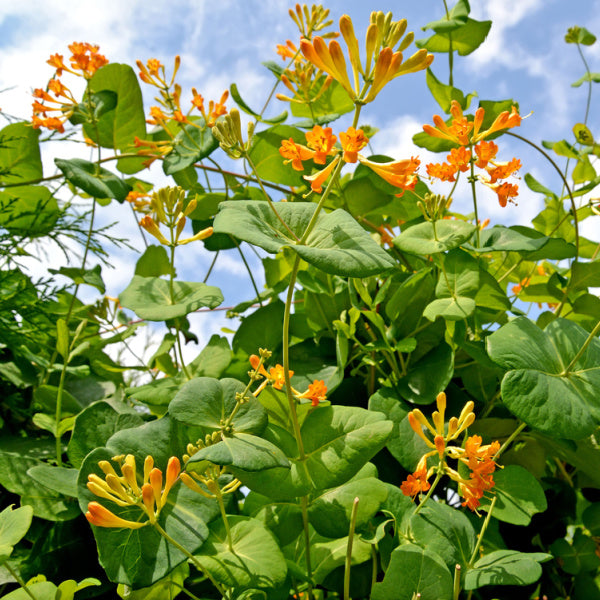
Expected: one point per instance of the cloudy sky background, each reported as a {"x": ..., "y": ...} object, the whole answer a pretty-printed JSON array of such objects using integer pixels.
[{"x": 524, "y": 58}]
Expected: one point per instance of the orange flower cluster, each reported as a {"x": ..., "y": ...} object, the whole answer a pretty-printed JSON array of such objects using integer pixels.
[
  {"x": 479, "y": 459},
  {"x": 471, "y": 139},
  {"x": 124, "y": 491},
  {"x": 320, "y": 143},
  {"x": 316, "y": 392},
  {"x": 58, "y": 98}
]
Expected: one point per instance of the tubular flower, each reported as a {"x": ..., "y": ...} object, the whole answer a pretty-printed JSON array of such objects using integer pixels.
[
  {"x": 295, "y": 154},
  {"x": 125, "y": 491},
  {"x": 470, "y": 139},
  {"x": 417, "y": 481},
  {"x": 85, "y": 61},
  {"x": 320, "y": 144},
  {"x": 275, "y": 376},
  {"x": 316, "y": 392},
  {"x": 382, "y": 63},
  {"x": 215, "y": 109},
  {"x": 321, "y": 141},
  {"x": 437, "y": 435}
]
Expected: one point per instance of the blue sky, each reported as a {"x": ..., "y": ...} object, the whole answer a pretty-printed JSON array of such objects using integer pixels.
[{"x": 524, "y": 58}]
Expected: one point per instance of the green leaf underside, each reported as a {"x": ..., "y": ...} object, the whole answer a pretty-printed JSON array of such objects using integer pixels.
[{"x": 150, "y": 299}]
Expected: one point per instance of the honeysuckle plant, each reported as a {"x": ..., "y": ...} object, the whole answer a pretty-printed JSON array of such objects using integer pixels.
[{"x": 328, "y": 446}]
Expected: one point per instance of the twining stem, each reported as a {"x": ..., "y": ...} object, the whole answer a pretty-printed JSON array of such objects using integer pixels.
[
  {"x": 237, "y": 245},
  {"x": 188, "y": 554},
  {"x": 348, "y": 565},
  {"x": 482, "y": 532},
  {"x": 589, "y": 95},
  {"x": 583, "y": 348}
]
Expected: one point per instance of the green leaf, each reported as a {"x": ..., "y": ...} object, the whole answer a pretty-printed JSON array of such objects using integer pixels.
[
  {"x": 337, "y": 244},
  {"x": 583, "y": 134},
  {"x": 153, "y": 263},
  {"x": 167, "y": 587},
  {"x": 330, "y": 512},
  {"x": 579, "y": 35},
  {"x": 585, "y": 275},
  {"x": 505, "y": 567},
  {"x": 93, "y": 179},
  {"x": 428, "y": 376},
  {"x": 444, "y": 94},
  {"x": 60, "y": 479},
  {"x": 414, "y": 570},
  {"x": 536, "y": 387},
  {"x": 94, "y": 426},
  {"x": 333, "y": 103},
  {"x": 235, "y": 94},
  {"x": 14, "y": 524},
  {"x": 445, "y": 531},
  {"x": 456, "y": 18},
  {"x": 249, "y": 453},
  {"x": 190, "y": 145},
  {"x": 45, "y": 396},
  {"x": 140, "y": 557},
  {"x": 207, "y": 402},
  {"x": 464, "y": 39},
  {"x": 41, "y": 590},
  {"x": 535, "y": 186},
  {"x": 20, "y": 158},
  {"x": 253, "y": 561},
  {"x": 29, "y": 210},
  {"x": 118, "y": 127},
  {"x": 265, "y": 156},
  {"x": 149, "y": 298},
  {"x": 406, "y": 447},
  {"x": 62, "y": 338},
  {"x": 338, "y": 441},
  {"x": 46, "y": 503},
  {"x": 80, "y": 276},
  {"x": 213, "y": 360},
  {"x": 519, "y": 496},
  {"x": 593, "y": 77},
  {"x": 425, "y": 239},
  {"x": 583, "y": 171},
  {"x": 578, "y": 556}
]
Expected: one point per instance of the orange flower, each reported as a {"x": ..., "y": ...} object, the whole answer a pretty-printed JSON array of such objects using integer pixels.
[
  {"x": 459, "y": 158},
  {"x": 399, "y": 173},
  {"x": 316, "y": 392},
  {"x": 417, "y": 481},
  {"x": 275, "y": 376},
  {"x": 506, "y": 192},
  {"x": 287, "y": 51},
  {"x": 124, "y": 490},
  {"x": 503, "y": 170},
  {"x": 295, "y": 153},
  {"x": 441, "y": 171},
  {"x": 485, "y": 151},
  {"x": 318, "y": 179},
  {"x": 102, "y": 517},
  {"x": 352, "y": 141},
  {"x": 321, "y": 141}
]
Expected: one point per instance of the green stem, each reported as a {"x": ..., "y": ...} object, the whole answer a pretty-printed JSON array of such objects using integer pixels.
[
  {"x": 247, "y": 269},
  {"x": 19, "y": 580},
  {"x": 173, "y": 245},
  {"x": 482, "y": 533},
  {"x": 583, "y": 348},
  {"x": 456, "y": 588},
  {"x": 58, "y": 416},
  {"x": 219, "y": 497},
  {"x": 348, "y": 565},
  {"x": 438, "y": 476},
  {"x": 189, "y": 555},
  {"x": 472, "y": 179},
  {"x": 589, "y": 96}
]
